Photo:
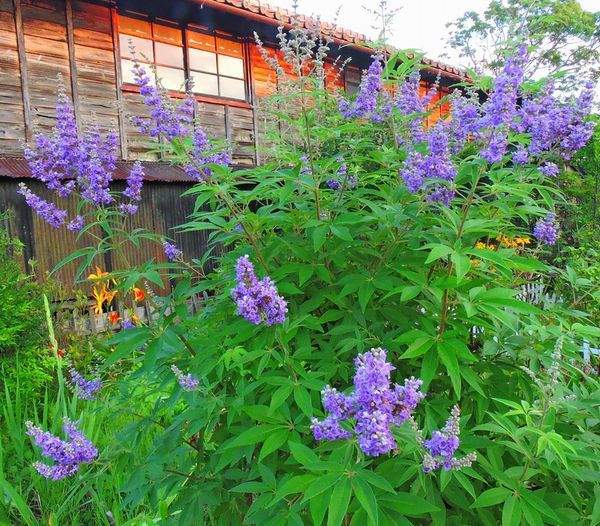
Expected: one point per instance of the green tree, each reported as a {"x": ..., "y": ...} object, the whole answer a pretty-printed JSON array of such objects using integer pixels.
[{"x": 565, "y": 37}]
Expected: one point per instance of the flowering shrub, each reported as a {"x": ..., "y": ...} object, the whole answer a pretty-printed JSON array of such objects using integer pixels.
[{"x": 380, "y": 232}]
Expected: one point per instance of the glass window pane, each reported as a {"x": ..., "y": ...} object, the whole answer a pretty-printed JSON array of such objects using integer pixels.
[
  {"x": 168, "y": 55},
  {"x": 232, "y": 88},
  {"x": 231, "y": 66},
  {"x": 134, "y": 27},
  {"x": 229, "y": 47},
  {"x": 171, "y": 78},
  {"x": 166, "y": 34},
  {"x": 141, "y": 46},
  {"x": 201, "y": 41},
  {"x": 203, "y": 61},
  {"x": 205, "y": 83}
]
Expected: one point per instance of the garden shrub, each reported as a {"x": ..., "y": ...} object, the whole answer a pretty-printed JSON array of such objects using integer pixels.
[
  {"x": 24, "y": 354},
  {"x": 364, "y": 350}
]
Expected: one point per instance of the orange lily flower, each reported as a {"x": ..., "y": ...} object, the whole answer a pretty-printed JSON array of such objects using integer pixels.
[
  {"x": 98, "y": 275},
  {"x": 138, "y": 294},
  {"x": 114, "y": 317}
]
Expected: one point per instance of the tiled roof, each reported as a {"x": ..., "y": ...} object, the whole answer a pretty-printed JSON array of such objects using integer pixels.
[
  {"x": 17, "y": 168},
  {"x": 272, "y": 14}
]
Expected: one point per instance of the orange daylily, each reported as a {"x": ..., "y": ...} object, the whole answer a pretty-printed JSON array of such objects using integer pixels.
[
  {"x": 101, "y": 298},
  {"x": 138, "y": 294},
  {"x": 114, "y": 317}
]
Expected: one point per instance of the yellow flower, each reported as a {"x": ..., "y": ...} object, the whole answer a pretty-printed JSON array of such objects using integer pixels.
[
  {"x": 98, "y": 275},
  {"x": 101, "y": 298}
]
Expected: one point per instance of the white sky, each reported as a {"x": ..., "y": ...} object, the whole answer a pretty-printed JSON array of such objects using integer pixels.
[{"x": 420, "y": 24}]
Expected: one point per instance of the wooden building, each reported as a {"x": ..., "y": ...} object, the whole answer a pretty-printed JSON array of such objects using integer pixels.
[{"x": 209, "y": 41}]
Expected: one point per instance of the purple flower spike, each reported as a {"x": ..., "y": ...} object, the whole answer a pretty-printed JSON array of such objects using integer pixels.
[
  {"x": 440, "y": 449},
  {"x": 67, "y": 455},
  {"x": 258, "y": 301},
  {"x": 365, "y": 104},
  {"x": 374, "y": 405},
  {"x": 86, "y": 389},
  {"x": 171, "y": 250},
  {"x": 201, "y": 155},
  {"x": 546, "y": 230},
  {"x": 45, "y": 210},
  {"x": 186, "y": 381}
]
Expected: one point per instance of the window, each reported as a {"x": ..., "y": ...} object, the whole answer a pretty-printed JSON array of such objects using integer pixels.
[
  {"x": 352, "y": 78},
  {"x": 216, "y": 66},
  {"x": 154, "y": 44},
  {"x": 215, "y": 63}
]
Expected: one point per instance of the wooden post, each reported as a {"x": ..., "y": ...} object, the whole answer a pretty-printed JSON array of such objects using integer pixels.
[
  {"x": 72, "y": 61},
  {"x": 118, "y": 81},
  {"x": 249, "y": 65},
  {"x": 23, "y": 68}
]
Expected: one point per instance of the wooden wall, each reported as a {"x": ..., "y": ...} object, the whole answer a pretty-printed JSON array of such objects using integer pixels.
[{"x": 75, "y": 38}]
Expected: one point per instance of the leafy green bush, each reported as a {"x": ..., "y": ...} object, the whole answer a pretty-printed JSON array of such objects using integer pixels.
[
  {"x": 24, "y": 354},
  {"x": 380, "y": 233}
]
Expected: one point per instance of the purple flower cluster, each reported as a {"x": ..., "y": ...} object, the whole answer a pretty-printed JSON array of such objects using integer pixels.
[
  {"x": 304, "y": 166},
  {"x": 365, "y": 104},
  {"x": 186, "y": 381},
  {"x": 86, "y": 389},
  {"x": 257, "y": 301},
  {"x": 549, "y": 169},
  {"x": 166, "y": 118},
  {"x": 171, "y": 250},
  {"x": 553, "y": 126},
  {"x": 441, "y": 448},
  {"x": 67, "y": 455},
  {"x": 202, "y": 155},
  {"x": 67, "y": 162},
  {"x": 342, "y": 179},
  {"x": 412, "y": 105},
  {"x": 546, "y": 230},
  {"x": 427, "y": 171},
  {"x": 375, "y": 405},
  {"x": 47, "y": 211},
  {"x": 133, "y": 191}
]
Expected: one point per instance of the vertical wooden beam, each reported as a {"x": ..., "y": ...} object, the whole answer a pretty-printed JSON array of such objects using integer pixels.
[
  {"x": 118, "y": 81},
  {"x": 72, "y": 61},
  {"x": 18, "y": 17},
  {"x": 249, "y": 65}
]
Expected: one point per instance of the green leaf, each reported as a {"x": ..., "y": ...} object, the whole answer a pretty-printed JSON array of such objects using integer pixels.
[
  {"x": 303, "y": 401},
  {"x": 429, "y": 367},
  {"x": 418, "y": 347},
  {"x": 342, "y": 232},
  {"x": 254, "y": 435},
  {"x": 408, "y": 504},
  {"x": 364, "y": 294},
  {"x": 450, "y": 361},
  {"x": 511, "y": 512},
  {"x": 319, "y": 235},
  {"x": 491, "y": 497},
  {"x": 318, "y": 507},
  {"x": 410, "y": 292},
  {"x": 367, "y": 500},
  {"x": 302, "y": 454},
  {"x": 338, "y": 503},
  {"x": 22, "y": 507},
  {"x": 273, "y": 442},
  {"x": 462, "y": 264},
  {"x": 320, "y": 485},
  {"x": 437, "y": 252}
]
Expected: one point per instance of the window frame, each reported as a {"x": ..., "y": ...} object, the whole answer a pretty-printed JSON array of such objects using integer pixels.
[{"x": 125, "y": 86}]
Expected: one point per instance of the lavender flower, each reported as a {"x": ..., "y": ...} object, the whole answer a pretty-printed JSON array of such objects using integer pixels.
[
  {"x": 76, "y": 224},
  {"x": 67, "y": 162},
  {"x": 342, "y": 178},
  {"x": 201, "y": 155},
  {"x": 86, "y": 389},
  {"x": 67, "y": 455},
  {"x": 304, "y": 166},
  {"x": 165, "y": 117},
  {"x": 128, "y": 323},
  {"x": 374, "y": 405},
  {"x": 171, "y": 250},
  {"x": 257, "y": 301},
  {"x": 549, "y": 169},
  {"x": 186, "y": 381},
  {"x": 368, "y": 92},
  {"x": 440, "y": 449},
  {"x": 546, "y": 230},
  {"x": 421, "y": 171},
  {"x": 47, "y": 211},
  {"x": 134, "y": 183}
]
